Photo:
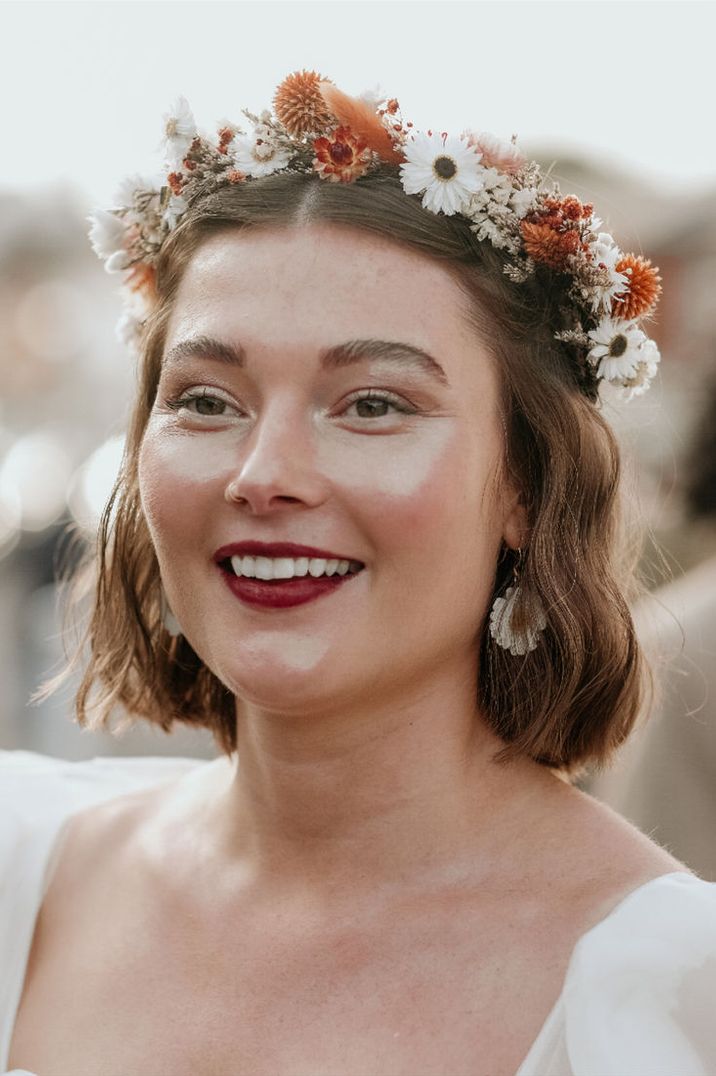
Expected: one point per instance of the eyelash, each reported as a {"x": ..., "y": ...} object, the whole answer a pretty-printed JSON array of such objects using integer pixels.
[{"x": 179, "y": 403}]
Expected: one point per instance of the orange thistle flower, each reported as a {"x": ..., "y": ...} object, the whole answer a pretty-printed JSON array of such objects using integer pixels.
[
  {"x": 644, "y": 288},
  {"x": 142, "y": 277},
  {"x": 548, "y": 246},
  {"x": 362, "y": 119},
  {"x": 300, "y": 106},
  {"x": 342, "y": 157}
]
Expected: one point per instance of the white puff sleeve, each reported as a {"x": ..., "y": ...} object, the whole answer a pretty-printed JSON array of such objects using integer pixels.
[
  {"x": 37, "y": 794},
  {"x": 640, "y": 993}
]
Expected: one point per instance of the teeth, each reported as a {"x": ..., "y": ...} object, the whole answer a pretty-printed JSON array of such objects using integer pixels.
[{"x": 290, "y": 567}]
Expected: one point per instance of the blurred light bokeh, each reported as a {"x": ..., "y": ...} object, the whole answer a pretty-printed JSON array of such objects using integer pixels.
[{"x": 615, "y": 98}]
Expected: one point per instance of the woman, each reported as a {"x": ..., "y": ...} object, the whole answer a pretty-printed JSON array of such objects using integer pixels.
[{"x": 366, "y": 531}]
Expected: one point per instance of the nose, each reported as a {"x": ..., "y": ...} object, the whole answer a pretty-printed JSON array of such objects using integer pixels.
[{"x": 278, "y": 464}]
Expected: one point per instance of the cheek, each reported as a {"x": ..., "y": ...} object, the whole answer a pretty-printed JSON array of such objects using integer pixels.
[
  {"x": 175, "y": 487},
  {"x": 427, "y": 485}
]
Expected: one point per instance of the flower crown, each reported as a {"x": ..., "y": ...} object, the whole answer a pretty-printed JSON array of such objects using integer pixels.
[{"x": 315, "y": 128}]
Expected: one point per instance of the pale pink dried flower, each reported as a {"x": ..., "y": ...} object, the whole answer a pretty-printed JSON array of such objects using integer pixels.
[{"x": 504, "y": 156}]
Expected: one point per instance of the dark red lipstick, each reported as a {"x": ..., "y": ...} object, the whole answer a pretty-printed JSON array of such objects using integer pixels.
[{"x": 280, "y": 593}]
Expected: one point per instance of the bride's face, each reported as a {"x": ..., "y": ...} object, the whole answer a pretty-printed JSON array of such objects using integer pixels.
[{"x": 283, "y": 451}]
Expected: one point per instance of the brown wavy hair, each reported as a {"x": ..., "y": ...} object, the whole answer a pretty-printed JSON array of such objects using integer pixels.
[{"x": 569, "y": 703}]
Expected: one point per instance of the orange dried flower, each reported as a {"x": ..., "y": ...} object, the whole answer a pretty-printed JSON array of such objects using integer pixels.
[
  {"x": 573, "y": 209},
  {"x": 225, "y": 136},
  {"x": 142, "y": 277},
  {"x": 342, "y": 157},
  {"x": 299, "y": 105},
  {"x": 235, "y": 176},
  {"x": 362, "y": 119},
  {"x": 644, "y": 288},
  {"x": 556, "y": 213},
  {"x": 175, "y": 181},
  {"x": 548, "y": 246}
]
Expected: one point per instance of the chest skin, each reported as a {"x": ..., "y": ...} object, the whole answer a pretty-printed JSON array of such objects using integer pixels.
[
  {"x": 147, "y": 961},
  {"x": 120, "y": 983}
]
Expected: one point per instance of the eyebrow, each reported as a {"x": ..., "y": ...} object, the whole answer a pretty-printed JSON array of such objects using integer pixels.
[{"x": 331, "y": 358}]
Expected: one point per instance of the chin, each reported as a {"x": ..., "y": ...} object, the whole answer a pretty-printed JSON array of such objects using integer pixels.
[{"x": 296, "y": 683}]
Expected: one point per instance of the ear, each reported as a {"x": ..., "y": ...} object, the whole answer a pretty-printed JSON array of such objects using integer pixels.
[{"x": 515, "y": 522}]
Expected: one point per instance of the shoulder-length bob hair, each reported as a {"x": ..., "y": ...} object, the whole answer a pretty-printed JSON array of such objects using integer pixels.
[{"x": 569, "y": 703}]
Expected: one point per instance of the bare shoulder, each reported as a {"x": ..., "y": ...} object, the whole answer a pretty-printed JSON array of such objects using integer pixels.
[
  {"x": 103, "y": 835},
  {"x": 596, "y": 854},
  {"x": 620, "y": 838}
]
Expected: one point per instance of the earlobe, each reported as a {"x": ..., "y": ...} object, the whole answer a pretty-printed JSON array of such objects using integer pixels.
[{"x": 515, "y": 527}]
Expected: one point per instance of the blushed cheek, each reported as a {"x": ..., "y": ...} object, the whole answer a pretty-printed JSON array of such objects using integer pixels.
[
  {"x": 423, "y": 484},
  {"x": 175, "y": 488}
]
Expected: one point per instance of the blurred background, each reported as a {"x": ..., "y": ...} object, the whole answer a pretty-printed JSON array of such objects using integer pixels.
[{"x": 613, "y": 97}]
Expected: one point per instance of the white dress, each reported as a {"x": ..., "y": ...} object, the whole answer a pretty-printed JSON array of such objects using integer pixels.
[{"x": 639, "y": 995}]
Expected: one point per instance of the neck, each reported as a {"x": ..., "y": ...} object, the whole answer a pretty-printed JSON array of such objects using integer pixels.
[{"x": 373, "y": 796}]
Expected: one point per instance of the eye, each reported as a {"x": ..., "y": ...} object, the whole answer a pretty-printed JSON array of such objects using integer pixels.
[
  {"x": 206, "y": 404},
  {"x": 375, "y": 404}
]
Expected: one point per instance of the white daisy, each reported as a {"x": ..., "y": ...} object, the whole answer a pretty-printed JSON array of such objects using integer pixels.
[
  {"x": 259, "y": 154},
  {"x": 107, "y": 233},
  {"x": 617, "y": 349},
  {"x": 179, "y": 132},
  {"x": 447, "y": 170}
]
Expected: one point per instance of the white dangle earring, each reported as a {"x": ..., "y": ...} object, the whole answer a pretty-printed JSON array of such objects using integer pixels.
[
  {"x": 501, "y": 617},
  {"x": 170, "y": 622}
]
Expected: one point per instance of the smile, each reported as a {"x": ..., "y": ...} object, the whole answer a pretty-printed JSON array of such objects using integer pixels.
[{"x": 283, "y": 581}]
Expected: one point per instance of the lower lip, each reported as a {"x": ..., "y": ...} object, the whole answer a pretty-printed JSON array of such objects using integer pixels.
[{"x": 284, "y": 593}]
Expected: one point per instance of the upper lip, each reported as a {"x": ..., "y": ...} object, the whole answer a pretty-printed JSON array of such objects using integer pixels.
[{"x": 275, "y": 549}]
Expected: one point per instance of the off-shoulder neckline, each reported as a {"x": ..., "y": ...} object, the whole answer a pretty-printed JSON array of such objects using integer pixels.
[
  {"x": 618, "y": 908},
  {"x": 52, "y": 856}
]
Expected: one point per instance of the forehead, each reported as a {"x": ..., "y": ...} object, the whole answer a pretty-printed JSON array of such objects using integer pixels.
[{"x": 321, "y": 283}]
